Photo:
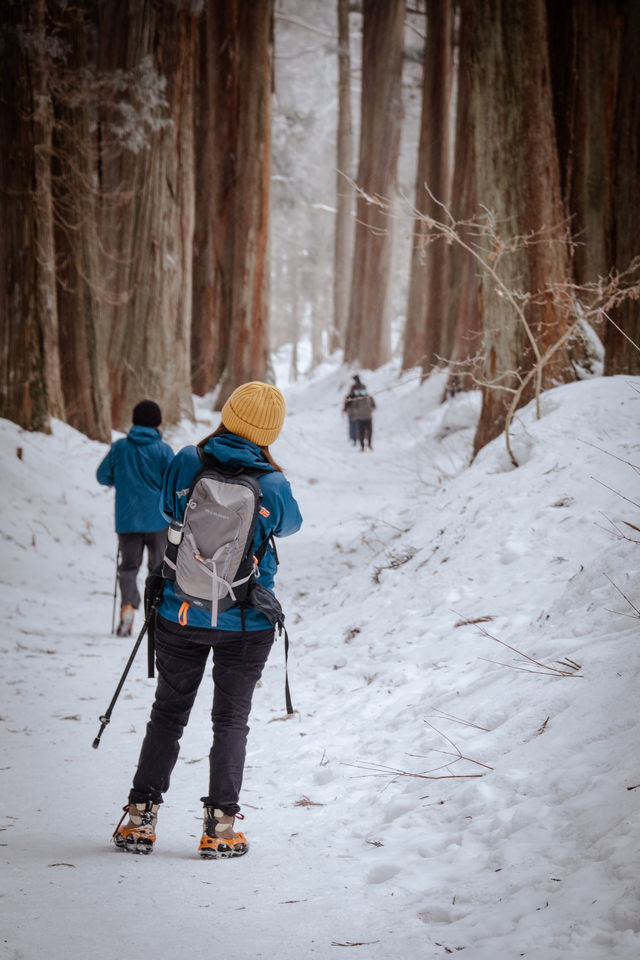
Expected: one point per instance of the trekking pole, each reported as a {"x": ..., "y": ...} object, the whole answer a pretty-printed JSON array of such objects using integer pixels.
[
  {"x": 104, "y": 720},
  {"x": 115, "y": 592}
]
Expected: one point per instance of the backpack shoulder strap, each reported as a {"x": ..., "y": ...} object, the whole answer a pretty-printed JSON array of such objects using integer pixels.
[{"x": 209, "y": 462}]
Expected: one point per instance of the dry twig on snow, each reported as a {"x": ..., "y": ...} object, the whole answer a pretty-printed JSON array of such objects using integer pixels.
[
  {"x": 382, "y": 770},
  {"x": 568, "y": 667}
]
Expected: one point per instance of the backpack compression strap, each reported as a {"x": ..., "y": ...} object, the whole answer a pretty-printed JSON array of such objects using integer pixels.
[{"x": 287, "y": 692}]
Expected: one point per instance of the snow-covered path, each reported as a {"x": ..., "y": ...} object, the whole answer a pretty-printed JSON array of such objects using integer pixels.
[{"x": 536, "y": 857}]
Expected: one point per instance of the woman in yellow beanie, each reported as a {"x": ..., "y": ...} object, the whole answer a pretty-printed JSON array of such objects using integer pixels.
[{"x": 241, "y": 641}]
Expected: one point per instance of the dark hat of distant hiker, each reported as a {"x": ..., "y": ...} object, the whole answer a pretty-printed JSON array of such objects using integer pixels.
[{"x": 147, "y": 414}]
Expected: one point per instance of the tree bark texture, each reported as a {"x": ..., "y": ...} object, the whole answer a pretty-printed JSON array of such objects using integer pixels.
[
  {"x": 518, "y": 180},
  {"x": 368, "y": 339},
  {"x": 82, "y": 336},
  {"x": 427, "y": 338},
  {"x": 585, "y": 54},
  {"x": 622, "y": 338},
  {"x": 464, "y": 303},
  {"x": 230, "y": 308},
  {"x": 27, "y": 292},
  {"x": 584, "y": 47},
  {"x": 344, "y": 228},
  {"x": 147, "y": 216},
  {"x": 213, "y": 174}
]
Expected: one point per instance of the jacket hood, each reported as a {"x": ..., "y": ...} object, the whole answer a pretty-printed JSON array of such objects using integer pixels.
[
  {"x": 236, "y": 451},
  {"x": 144, "y": 435}
]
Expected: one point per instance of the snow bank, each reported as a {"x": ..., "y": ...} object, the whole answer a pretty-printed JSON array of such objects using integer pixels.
[{"x": 462, "y": 772}]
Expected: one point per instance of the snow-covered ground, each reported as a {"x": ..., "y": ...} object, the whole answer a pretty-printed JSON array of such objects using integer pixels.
[{"x": 462, "y": 773}]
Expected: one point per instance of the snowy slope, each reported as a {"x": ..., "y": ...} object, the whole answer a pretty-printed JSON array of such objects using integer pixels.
[{"x": 437, "y": 791}]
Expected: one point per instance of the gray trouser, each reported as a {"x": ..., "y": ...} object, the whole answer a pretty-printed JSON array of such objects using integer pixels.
[
  {"x": 364, "y": 432},
  {"x": 131, "y": 547}
]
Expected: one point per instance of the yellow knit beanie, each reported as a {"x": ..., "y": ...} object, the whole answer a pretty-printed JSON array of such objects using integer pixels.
[{"x": 255, "y": 411}]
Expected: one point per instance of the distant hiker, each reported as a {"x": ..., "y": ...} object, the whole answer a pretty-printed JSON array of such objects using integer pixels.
[
  {"x": 346, "y": 408},
  {"x": 242, "y": 636},
  {"x": 135, "y": 465},
  {"x": 360, "y": 406}
]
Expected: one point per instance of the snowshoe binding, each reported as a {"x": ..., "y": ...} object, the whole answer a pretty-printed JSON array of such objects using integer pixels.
[
  {"x": 219, "y": 840},
  {"x": 138, "y": 835}
]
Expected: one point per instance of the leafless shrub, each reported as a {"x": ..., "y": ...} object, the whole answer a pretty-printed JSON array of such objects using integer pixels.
[
  {"x": 565, "y": 668},
  {"x": 434, "y": 773}
]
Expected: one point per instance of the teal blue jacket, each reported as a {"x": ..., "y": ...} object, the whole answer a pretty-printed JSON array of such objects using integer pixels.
[
  {"x": 283, "y": 519},
  {"x": 135, "y": 466}
]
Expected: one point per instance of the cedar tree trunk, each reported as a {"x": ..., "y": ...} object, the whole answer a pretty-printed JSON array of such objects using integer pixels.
[
  {"x": 518, "y": 180},
  {"x": 368, "y": 339},
  {"x": 343, "y": 238},
  {"x": 426, "y": 338},
  {"x": 230, "y": 302},
  {"x": 148, "y": 207}
]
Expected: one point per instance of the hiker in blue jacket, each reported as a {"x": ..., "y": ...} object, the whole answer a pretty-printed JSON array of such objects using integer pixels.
[
  {"x": 240, "y": 642},
  {"x": 135, "y": 465}
]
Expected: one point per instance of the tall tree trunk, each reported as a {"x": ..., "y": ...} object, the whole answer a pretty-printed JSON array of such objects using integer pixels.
[
  {"x": 46, "y": 251},
  {"x": 294, "y": 296},
  {"x": 343, "y": 236},
  {"x": 518, "y": 180},
  {"x": 595, "y": 78},
  {"x": 214, "y": 125},
  {"x": 584, "y": 50},
  {"x": 230, "y": 306},
  {"x": 147, "y": 220},
  {"x": 317, "y": 285},
  {"x": 427, "y": 338},
  {"x": 465, "y": 286},
  {"x": 368, "y": 339},
  {"x": 82, "y": 333},
  {"x": 622, "y": 339},
  {"x": 27, "y": 292}
]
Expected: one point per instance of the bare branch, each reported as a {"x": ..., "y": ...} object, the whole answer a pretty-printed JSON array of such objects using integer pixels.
[
  {"x": 382, "y": 770},
  {"x": 542, "y": 668},
  {"x": 623, "y": 595}
]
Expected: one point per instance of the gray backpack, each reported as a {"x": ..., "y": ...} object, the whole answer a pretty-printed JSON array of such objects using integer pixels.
[
  {"x": 209, "y": 554},
  {"x": 361, "y": 407}
]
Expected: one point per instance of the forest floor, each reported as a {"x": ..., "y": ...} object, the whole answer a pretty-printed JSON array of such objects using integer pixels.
[{"x": 461, "y": 774}]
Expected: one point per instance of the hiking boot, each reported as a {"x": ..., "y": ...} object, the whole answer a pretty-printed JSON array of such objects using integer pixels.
[
  {"x": 138, "y": 835},
  {"x": 126, "y": 621},
  {"x": 219, "y": 840}
]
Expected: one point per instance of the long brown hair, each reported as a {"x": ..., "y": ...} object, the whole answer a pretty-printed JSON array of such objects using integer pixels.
[{"x": 221, "y": 430}]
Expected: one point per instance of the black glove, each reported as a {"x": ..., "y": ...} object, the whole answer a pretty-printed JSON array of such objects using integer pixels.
[{"x": 153, "y": 588}]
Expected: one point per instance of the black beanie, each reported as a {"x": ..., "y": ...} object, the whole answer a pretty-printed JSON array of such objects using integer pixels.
[{"x": 147, "y": 414}]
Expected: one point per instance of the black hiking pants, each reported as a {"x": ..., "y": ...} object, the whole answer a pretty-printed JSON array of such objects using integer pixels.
[
  {"x": 365, "y": 431},
  {"x": 131, "y": 546},
  {"x": 181, "y": 657}
]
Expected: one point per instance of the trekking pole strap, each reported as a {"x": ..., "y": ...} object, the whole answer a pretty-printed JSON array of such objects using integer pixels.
[
  {"x": 287, "y": 692},
  {"x": 262, "y": 549}
]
